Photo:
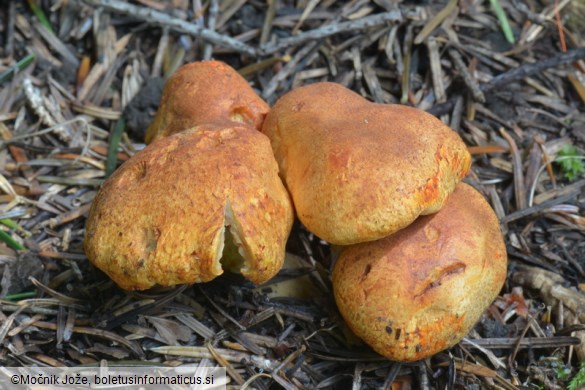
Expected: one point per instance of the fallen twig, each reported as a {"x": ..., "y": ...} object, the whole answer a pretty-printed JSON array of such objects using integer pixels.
[
  {"x": 161, "y": 19},
  {"x": 521, "y": 72},
  {"x": 331, "y": 29},
  {"x": 530, "y": 69},
  {"x": 211, "y": 22}
]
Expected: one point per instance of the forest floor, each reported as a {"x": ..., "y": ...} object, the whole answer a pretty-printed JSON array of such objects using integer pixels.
[{"x": 81, "y": 80}]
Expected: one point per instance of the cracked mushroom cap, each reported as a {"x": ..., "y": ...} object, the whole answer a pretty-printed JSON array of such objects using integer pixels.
[
  {"x": 358, "y": 171},
  {"x": 205, "y": 92},
  {"x": 420, "y": 290},
  {"x": 166, "y": 214}
]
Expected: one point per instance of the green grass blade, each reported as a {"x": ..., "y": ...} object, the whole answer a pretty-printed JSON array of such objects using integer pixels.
[
  {"x": 9, "y": 223},
  {"x": 11, "y": 242},
  {"x": 15, "y": 226},
  {"x": 22, "y": 295},
  {"x": 20, "y": 65},
  {"x": 503, "y": 19},
  {"x": 115, "y": 138},
  {"x": 40, "y": 15}
]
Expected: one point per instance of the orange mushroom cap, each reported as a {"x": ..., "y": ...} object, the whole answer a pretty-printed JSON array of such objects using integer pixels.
[
  {"x": 161, "y": 218},
  {"x": 358, "y": 171},
  {"x": 420, "y": 290},
  {"x": 205, "y": 92}
]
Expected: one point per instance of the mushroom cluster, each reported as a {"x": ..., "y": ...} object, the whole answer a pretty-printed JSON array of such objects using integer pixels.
[
  {"x": 422, "y": 253},
  {"x": 204, "y": 195}
]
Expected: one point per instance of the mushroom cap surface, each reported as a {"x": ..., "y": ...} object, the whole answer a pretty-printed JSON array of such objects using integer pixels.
[
  {"x": 162, "y": 216},
  {"x": 420, "y": 290},
  {"x": 205, "y": 92},
  {"x": 358, "y": 171}
]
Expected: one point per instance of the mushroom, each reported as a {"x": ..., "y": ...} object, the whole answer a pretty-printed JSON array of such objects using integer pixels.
[
  {"x": 356, "y": 170},
  {"x": 420, "y": 290},
  {"x": 206, "y": 196},
  {"x": 161, "y": 218},
  {"x": 205, "y": 92}
]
